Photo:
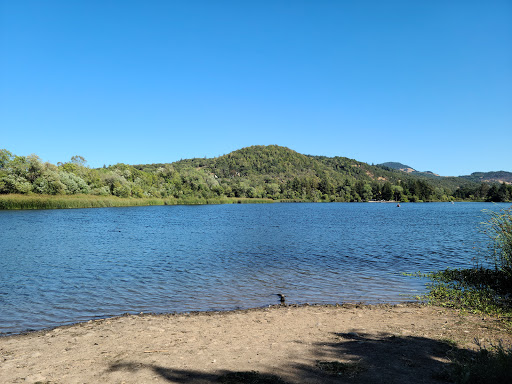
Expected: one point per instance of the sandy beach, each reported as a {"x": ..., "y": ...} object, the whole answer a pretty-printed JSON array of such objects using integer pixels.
[{"x": 282, "y": 344}]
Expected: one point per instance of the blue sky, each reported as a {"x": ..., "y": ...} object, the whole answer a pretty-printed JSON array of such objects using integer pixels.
[{"x": 426, "y": 83}]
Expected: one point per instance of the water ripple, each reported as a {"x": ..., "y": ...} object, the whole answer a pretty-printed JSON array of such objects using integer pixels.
[{"x": 63, "y": 266}]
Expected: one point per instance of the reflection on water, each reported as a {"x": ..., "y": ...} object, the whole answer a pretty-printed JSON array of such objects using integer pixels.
[{"x": 64, "y": 266}]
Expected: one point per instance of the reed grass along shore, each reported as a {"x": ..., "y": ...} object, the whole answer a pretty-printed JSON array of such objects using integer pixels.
[{"x": 17, "y": 201}]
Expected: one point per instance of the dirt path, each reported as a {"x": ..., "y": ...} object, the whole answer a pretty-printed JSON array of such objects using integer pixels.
[{"x": 309, "y": 344}]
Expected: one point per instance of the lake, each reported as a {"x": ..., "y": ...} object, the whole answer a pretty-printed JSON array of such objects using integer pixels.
[{"x": 64, "y": 266}]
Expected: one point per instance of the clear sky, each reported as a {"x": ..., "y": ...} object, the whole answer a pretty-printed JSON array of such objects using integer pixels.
[{"x": 424, "y": 82}]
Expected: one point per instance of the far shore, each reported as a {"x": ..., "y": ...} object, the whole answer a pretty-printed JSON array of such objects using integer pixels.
[
  {"x": 280, "y": 344},
  {"x": 35, "y": 201}
]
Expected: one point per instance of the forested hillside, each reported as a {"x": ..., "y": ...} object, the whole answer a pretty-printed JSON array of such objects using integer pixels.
[
  {"x": 499, "y": 177},
  {"x": 271, "y": 171}
]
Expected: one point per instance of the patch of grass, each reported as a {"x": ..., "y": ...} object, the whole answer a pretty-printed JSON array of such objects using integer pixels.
[
  {"x": 339, "y": 368},
  {"x": 475, "y": 290},
  {"x": 14, "y": 201},
  {"x": 488, "y": 366}
]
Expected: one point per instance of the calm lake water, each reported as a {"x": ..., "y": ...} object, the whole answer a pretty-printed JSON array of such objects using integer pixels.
[{"x": 64, "y": 266}]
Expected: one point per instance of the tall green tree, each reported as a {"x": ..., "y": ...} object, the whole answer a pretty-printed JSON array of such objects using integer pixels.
[{"x": 387, "y": 191}]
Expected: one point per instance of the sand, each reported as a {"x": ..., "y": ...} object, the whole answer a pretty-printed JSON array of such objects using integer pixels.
[{"x": 282, "y": 344}]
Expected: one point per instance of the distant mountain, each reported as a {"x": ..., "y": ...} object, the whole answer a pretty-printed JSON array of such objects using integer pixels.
[
  {"x": 477, "y": 177},
  {"x": 397, "y": 166},
  {"x": 490, "y": 177},
  {"x": 406, "y": 168}
]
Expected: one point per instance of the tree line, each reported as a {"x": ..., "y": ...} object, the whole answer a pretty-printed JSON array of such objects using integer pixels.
[{"x": 255, "y": 172}]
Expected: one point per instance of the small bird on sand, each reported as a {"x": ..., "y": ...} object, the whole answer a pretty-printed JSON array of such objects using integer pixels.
[{"x": 281, "y": 298}]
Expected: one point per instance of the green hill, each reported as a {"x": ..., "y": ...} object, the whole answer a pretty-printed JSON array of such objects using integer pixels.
[
  {"x": 271, "y": 171},
  {"x": 260, "y": 168}
]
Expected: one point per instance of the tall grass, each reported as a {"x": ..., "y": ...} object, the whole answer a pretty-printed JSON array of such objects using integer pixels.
[
  {"x": 491, "y": 365},
  {"x": 499, "y": 230},
  {"x": 12, "y": 201},
  {"x": 475, "y": 290},
  {"x": 481, "y": 290}
]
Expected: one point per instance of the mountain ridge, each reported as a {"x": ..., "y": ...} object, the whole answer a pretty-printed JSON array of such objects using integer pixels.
[{"x": 490, "y": 177}]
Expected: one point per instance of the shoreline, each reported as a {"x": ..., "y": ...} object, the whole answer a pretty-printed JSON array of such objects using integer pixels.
[
  {"x": 289, "y": 344},
  {"x": 99, "y": 318},
  {"x": 39, "y": 202}
]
